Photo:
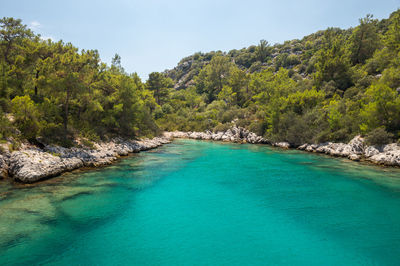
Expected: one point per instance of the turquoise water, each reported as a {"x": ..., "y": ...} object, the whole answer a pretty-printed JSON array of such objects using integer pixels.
[{"x": 206, "y": 203}]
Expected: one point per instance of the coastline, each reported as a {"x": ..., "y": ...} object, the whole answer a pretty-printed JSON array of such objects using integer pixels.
[
  {"x": 31, "y": 164},
  {"x": 355, "y": 150}
]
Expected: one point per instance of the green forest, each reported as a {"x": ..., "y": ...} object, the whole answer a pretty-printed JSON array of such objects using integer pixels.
[{"x": 328, "y": 86}]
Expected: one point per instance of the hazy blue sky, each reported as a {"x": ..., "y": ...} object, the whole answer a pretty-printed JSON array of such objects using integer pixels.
[{"x": 154, "y": 35}]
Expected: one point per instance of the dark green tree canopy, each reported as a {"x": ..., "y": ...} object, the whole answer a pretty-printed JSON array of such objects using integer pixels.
[{"x": 327, "y": 86}]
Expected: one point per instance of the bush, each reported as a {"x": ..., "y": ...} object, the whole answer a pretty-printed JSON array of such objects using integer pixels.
[
  {"x": 243, "y": 123},
  {"x": 54, "y": 133},
  {"x": 379, "y": 136},
  {"x": 87, "y": 143},
  {"x": 229, "y": 116},
  {"x": 5, "y": 105},
  {"x": 5, "y": 126},
  {"x": 258, "y": 127},
  {"x": 167, "y": 109},
  {"x": 222, "y": 127},
  {"x": 14, "y": 146},
  {"x": 26, "y": 116}
]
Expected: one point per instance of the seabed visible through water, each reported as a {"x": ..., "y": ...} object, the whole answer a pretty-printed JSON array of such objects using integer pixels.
[{"x": 207, "y": 203}]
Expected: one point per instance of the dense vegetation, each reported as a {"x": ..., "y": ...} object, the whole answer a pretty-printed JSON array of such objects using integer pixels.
[
  {"x": 53, "y": 90},
  {"x": 330, "y": 85}
]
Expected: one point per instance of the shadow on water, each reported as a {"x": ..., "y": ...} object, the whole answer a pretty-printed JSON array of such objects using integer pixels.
[{"x": 53, "y": 212}]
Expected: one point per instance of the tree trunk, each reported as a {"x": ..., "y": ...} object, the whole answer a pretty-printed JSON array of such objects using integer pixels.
[
  {"x": 359, "y": 47},
  {"x": 37, "y": 77},
  {"x": 6, "y": 53},
  {"x": 158, "y": 96},
  {"x": 3, "y": 91},
  {"x": 66, "y": 105}
]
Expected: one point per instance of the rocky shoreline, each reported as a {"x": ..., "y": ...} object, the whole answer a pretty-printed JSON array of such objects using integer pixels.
[
  {"x": 234, "y": 134},
  {"x": 356, "y": 149},
  {"x": 31, "y": 164}
]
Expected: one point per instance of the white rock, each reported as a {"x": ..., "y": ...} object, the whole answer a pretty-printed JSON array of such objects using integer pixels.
[
  {"x": 302, "y": 147},
  {"x": 284, "y": 145},
  {"x": 370, "y": 151},
  {"x": 354, "y": 157},
  {"x": 31, "y": 165},
  {"x": 3, "y": 166}
]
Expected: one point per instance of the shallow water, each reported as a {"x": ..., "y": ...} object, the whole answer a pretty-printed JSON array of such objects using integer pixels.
[{"x": 207, "y": 203}]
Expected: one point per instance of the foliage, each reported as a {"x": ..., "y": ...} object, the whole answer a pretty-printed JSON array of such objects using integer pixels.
[
  {"x": 25, "y": 116},
  {"x": 364, "y": 40},
  {"x": 328, "y": 86},
  {"x": 56, "y": 91},
  {"x": 379, "y": 136}
]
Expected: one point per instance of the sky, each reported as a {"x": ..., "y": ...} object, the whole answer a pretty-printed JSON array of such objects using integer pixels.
[{"x": 154, "y": 35}]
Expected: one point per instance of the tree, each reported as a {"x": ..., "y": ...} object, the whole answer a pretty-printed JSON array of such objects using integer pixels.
[
  {"x": 67, "y": 72},
  {"x": 382, "y": 108},
  {"x": 364, "y": 40},
  {"x": 392, "y": 37},
  {"x": 38, "y": 51},
  {"x": 227, "y": 95},
  {"x": 25, "y": 116},
  {"x": 333, "y": 63},
  {"x": 213, "y": 77},
  {"x": 116, "y": 64},
  {"x": 263, "y": 51},
  {"x": 160, "y": 85},
  {"x": 239, "y": 82},
  {"x": 13, "y": 34}
]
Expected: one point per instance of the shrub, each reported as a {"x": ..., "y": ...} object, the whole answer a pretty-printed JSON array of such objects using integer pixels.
[
  {"x": 15, "y": 145},
  {"x": 379, "y": 136},
  {"x": 26, "y": 116},
  {"x": 222, "y": 127},
  {"x": 54, "y": 133},
  {"x": 88, "y": 143},
  {"x": 258, "y": 127}
]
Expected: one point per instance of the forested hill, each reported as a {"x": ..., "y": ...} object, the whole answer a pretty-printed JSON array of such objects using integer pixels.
[
  {"x": 328, "y": 86},
  {"x": 297, "y": 55},
  {"x": 57, "y": 92}
]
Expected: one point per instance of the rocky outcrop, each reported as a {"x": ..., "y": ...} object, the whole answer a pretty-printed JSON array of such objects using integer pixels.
[
  {"x": 354, "y": 147},
  {"x": 385, "y": 155},
  {"x": 283, "y": 145},
  {"x": 234, "y": 134},
  {"x": 356, "y": 150},
  {"x": 33, "y": 164},
  {"x": 3, "y": 166}
]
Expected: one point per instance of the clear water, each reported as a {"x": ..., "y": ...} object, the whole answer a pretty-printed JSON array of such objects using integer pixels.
[{"x": 206, "y": 203}]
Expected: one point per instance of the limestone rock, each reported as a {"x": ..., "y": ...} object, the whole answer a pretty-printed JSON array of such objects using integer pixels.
[
  {"x": 302, "y": 147},
  {"x": 354, "y": 157},
  {"x": 31, "y": 165},
  {"x": 389, "y": 156},
  {"x": 234, "y": 134},
  {"x": 354, "y": 150},
  {"x": 3, "y": 166},
  {"x": 371, "y": 151},
  {"x": 315, "y": 148},
  {"x": 284, "y": 145}
]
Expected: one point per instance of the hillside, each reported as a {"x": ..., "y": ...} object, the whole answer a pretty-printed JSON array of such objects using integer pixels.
[{"x": 329, "y": 86}]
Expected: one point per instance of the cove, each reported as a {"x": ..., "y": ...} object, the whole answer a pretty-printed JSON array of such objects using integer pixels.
[{"x": 207, "y": 203}]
